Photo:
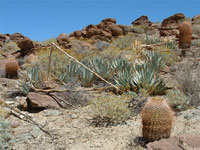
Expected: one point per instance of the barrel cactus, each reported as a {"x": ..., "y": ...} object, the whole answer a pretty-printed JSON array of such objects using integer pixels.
[
  {"x": 12, "y": 68},
  {"x": 157, "y": 118},
  {"x": 185, "y": 35}
]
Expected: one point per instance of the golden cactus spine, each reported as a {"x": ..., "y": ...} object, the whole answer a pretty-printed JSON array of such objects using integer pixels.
[
  {"x": 157, "y": 118},
  {"x": 12, "y": 67},
  {"x": 185, "y": 35}
]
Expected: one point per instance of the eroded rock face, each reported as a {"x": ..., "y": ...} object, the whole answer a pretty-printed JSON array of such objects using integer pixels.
[
  {"x": 63, "y": 40},
  {"x": 183, "y": 142},
  {"x": 196, "y": 19},
  {"x": 105, "y": 30},
  {"x": 171, "y": 24},
  {"x": 24, "y": 43},
  {"x": 143, "y": 20}
]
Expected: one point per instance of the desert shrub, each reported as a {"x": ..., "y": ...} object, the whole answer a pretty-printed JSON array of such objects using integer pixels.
[
  {"x": 169, "y": 57},
  {"x": 196, "y": 43},
  {"x": 6, "y": 135},
  {"x": 124, "y": 42},
  {"x": 196, "y": 28},
  {"x": 188, "y": 77},
  {"x": 9, "y": 46},
  {"x": 109, "y": 111},
  {"x": 49, "y": 41},
  {"x": 100, "y": 45},
  {"x": 178, "y": 100}
]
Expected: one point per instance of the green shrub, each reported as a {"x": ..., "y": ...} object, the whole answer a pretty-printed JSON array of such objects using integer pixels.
[
  {"x": 178, "y": 100},
  {"x": 6, "y": 134},
  {"x": 109, "y": 111},
  {"x": 124, "y": 42}
]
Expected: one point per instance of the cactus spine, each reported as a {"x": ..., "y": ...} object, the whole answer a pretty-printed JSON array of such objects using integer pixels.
[
  {"x": 185, "y": 35},
  {"x": 157, "y": 118}
]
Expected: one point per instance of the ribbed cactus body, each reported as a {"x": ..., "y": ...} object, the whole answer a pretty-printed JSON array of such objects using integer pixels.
[
  {"x": 157, "y": 118},
  {"x": 12, "y": 67},
  {"x": 185, "y": 35}
]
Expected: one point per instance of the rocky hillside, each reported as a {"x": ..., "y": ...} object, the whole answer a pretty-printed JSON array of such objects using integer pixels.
[{"x": 86, "y": 90}]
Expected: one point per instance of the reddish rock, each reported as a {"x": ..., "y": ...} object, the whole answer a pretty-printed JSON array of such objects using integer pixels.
[
  {"x": 63, "y": 40},
  {"x": 77, "y": 34},
  {"x": 183, "y": 142},
  {"x": 113, "y": 20},
  {"x": 37, "y": 100},
  {"x": 92, "y": 31},
  {"x": 106, "y": 34},
  {"x": 16, "y": 37},
  {"x": 25, "y": 44},
  {"x": 170, "y": 24},
  {"x": 196, "y": 19},
  {"x": 115, "y": 30},
  {"x": 143, "y": 20},
  {"x": 89, "y": 27}
]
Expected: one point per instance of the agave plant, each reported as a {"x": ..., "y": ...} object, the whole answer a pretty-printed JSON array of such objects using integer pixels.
[
  {"x": 25, "y": 88},
  {"x": 71, "y": 71},
  {"x": 151, "y": 40},
  {"x": 86, "y": 77},
  {"x": 101, "y": 66},
  {"x": 123, "y": 79},
  {"x": 35, "y": 76},
  {"x": 146, "y": 77},
  {"x": 171, "y": 45},
  {"x": 153, "y": 59},
  {"x": 120, "y": 64}
]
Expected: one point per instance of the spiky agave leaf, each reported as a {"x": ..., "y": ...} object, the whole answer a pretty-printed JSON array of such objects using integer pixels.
[
  {"x": 101, "y": 66},
  {"x": 86, "y": 77},
  {"x": 123, "y": 80},
  {"x": 146, "y": 77},
  {"x": 71, "y": 72},
  {"x": 120, "y": 64},
  {"x": 152, "y": 40}
]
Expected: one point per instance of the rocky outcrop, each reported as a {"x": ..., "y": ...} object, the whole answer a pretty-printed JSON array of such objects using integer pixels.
[
  {"x": 24, "y": 43},
  {"x": 3, "y": 39},
  {"x": 63, "y": 40},
  {"x": 143, "y": 20},
  {"x": 196, "y": 19},
  {"x": 171, "y": 24},
  {"x": 183, "y": 142},
  {"x": 105, "y": 30}
]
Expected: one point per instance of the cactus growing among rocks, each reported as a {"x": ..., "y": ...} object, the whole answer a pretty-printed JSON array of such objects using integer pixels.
[
  {"x": 12, "y": 67},
  {"x": 185, "y": 35},
  {"x": 157, "y": 118}
]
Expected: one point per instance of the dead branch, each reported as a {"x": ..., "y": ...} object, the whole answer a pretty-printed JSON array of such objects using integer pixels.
[{"x": 85, "y": 67}]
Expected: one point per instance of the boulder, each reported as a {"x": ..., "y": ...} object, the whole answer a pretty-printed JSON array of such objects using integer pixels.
[
  {"x": 3, "y": 39},
  {"x": 143, "y": 20},
  {"x": 115, "y": 30},
  {"x": 92, "y": 31},
  {"x": 113, "y": 20},
  {"x": 196, "y": 19},
  {"x": 63, "y": 40},
  {"x": 37, "y": 100},
  {"x": 182, "y": 142},
  {"x": 171, "y": 24},
  {"x": 77, "y": 34}
]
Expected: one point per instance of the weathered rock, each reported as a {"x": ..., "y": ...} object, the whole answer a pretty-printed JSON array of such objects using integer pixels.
[
  {"x": 183, "y": 142},
  {"x": 3, "y": 39},
  {"x": 63, "y": 40},
  {"x": 37, "y": 100},
  {"x": 115, "y": 30},
  {"x": 92, "y": 31},
  {"x": 16, "y": 37},
  {"x": 25, "y": 44},
  {"x": 196, "y": 19},
  {"x": 77, "y": 34},
  {"x": 143, "y": 20},
  {"x": 113, "y": 20},
  {"x": 171, "y": 24}
]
